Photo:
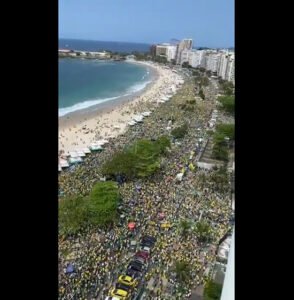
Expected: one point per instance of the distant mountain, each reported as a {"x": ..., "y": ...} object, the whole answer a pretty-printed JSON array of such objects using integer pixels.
[
  {"x": 203, "y": 48},
  {"x": 174, "y": 41}
]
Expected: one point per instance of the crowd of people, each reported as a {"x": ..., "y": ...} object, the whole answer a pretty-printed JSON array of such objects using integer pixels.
[{"x": 97, "y": 256}]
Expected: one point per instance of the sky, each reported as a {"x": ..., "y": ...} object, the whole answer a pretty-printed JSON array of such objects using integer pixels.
[{"x": 209, "y": 23}]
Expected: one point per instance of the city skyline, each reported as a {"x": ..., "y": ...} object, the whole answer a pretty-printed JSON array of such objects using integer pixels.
[{"x": 208, "y": 23}]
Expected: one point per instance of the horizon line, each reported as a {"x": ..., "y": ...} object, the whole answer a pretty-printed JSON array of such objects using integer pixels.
[{"x": 144, "y": 43}]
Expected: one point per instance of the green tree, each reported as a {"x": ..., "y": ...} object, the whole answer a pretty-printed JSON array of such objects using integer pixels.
[
  {"x": 141, "y": 159},
  {"x": 220, "y": 144},
  {"x": 203, "y": 231},
  {"x": 173, "y": 61},
  {"x": 160, "y": 59},
  {"x": 212, "y": 290},
  {"x": 122, "y": 163},
  {"x": 182, "y": 270},
  {"x": 226, "y": 129},
  {"x": 186, "y": 65},
  {"x": 201, "y": 94},
  {"x": 102, "y": 203},
  {"x": 220, "y": 153},
  {"x": 162, "y": 143},
  {"x": 180, "y": 132},
  {"x": 185, "y": 226},
  {"x": 71, "y": 215},
  {"x": 204, "y": 81},
  {"x": 227, "y": 104}
]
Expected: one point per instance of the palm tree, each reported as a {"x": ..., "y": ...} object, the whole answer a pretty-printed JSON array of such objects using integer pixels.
[
  {"x": 182, "y": 270},
  {"x": 185, "y": 226},
  {"x": 203, "y": 231}
]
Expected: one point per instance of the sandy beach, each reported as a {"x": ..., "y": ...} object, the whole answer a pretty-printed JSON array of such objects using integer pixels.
[{"x": 110, "y": 119}]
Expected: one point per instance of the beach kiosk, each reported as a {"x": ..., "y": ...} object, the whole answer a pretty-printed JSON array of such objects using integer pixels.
[
  {"x": 81, "y": 153},
  {"x": 86, "y": 150},
  {"x": 63, "y": 163},
  {"x": 75, "y": 160},
  {"x": 95, "y": 147}
]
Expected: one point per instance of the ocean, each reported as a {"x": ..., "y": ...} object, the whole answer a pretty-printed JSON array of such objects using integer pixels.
[
  {"x": 85, "y": 45},
  {"x": 84, "y": 83}
]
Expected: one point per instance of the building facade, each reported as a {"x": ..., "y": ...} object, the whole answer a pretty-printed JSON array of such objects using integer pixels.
[
  {"x": 228, "y": 291},
  {"x": 212, "y": 62},
  {"x": 197, "y": 58},
  {"x": 185, "y": 44},
  {"x": 167, "y": 50}
]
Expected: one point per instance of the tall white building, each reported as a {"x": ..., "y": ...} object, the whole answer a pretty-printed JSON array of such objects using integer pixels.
[
  {"x": 223, "y": 65},
  {"x": 230, "y": 75},
  {"x": 185, "y": 44},
  {"x": 197, "y": 59},
  {"x": 228, "y": 291},
  {"x": 184, "y": 56},
  {"x": 171, "y": 52},
  {"x": 213, "y": 61},
  {"x": 167, "y": 50},
  {"x": 226, "y": 68}
]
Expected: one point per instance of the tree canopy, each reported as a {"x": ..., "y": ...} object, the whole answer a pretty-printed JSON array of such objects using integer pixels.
[
  {"x": 227, "y": 104},
  {"x": 220, "y": 145},
  {"x": 201, "y": 94},
  {"x": 226, "y": 87},
  {"x": 180, "y": 132},
  {"x": 212, "y": 290},
  {"x": 71, "y": 215},
  {"x": 102, "y": 203},
  {"x": 185, "y": 226},
  {"x": 182, "y": 270},
  {"x": 141, "y": 159},
  {"x": 99, "y": 208},
  {"x": 203, "y": 231}
]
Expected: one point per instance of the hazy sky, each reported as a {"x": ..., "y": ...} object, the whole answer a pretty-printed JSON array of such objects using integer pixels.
[{"x": 208, "y": 22}]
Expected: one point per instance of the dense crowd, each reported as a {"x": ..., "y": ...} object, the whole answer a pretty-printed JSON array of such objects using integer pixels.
[{"x": 97, "y": 257}]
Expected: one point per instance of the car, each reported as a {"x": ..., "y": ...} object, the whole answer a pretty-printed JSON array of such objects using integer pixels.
[
  {"x": 139, "y": 260},
  {"x": 146, "y": 242},
  {"x": 136, "y": 266},
  {"x": 121, "y": 286},
  {"x": 143, "y": 254},
  {"x": 150, "y": 238},
  {"x": 134, "y": 274},
  {"x": 111, "y": 298},
  {"x": 146, "y": 245},
  {"x": 128, "y": 280},
  {"x": 120, "y": 294},
  {"x": 146, "y": 249}
]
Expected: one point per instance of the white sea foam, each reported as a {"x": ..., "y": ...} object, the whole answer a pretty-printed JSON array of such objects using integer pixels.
[
  {"x": 137, "y": 87},
  {"x": 82, "y": 105},
  {"x": 88, "y": 103}
]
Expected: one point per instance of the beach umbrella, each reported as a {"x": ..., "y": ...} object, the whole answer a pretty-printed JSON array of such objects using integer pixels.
[
  {"x": 161, "y": 215},
  {"x": 69, "y": 268},
  {"x": 132, "y": 225}
]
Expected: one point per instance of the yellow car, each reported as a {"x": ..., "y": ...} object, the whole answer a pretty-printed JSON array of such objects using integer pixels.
[
  {"x": 127, "y": 280},
  {"x": 120, "y": 294}
]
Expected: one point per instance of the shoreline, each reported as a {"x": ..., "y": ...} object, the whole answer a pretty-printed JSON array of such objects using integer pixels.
[
  {"x": 110, "y": 104},
  {"x": 109, "y": 119}
]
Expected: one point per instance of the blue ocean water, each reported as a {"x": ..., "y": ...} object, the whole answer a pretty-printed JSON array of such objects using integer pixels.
[
  {"x": 84, "y": 83},
  {"x": 85, "y": 45}
]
